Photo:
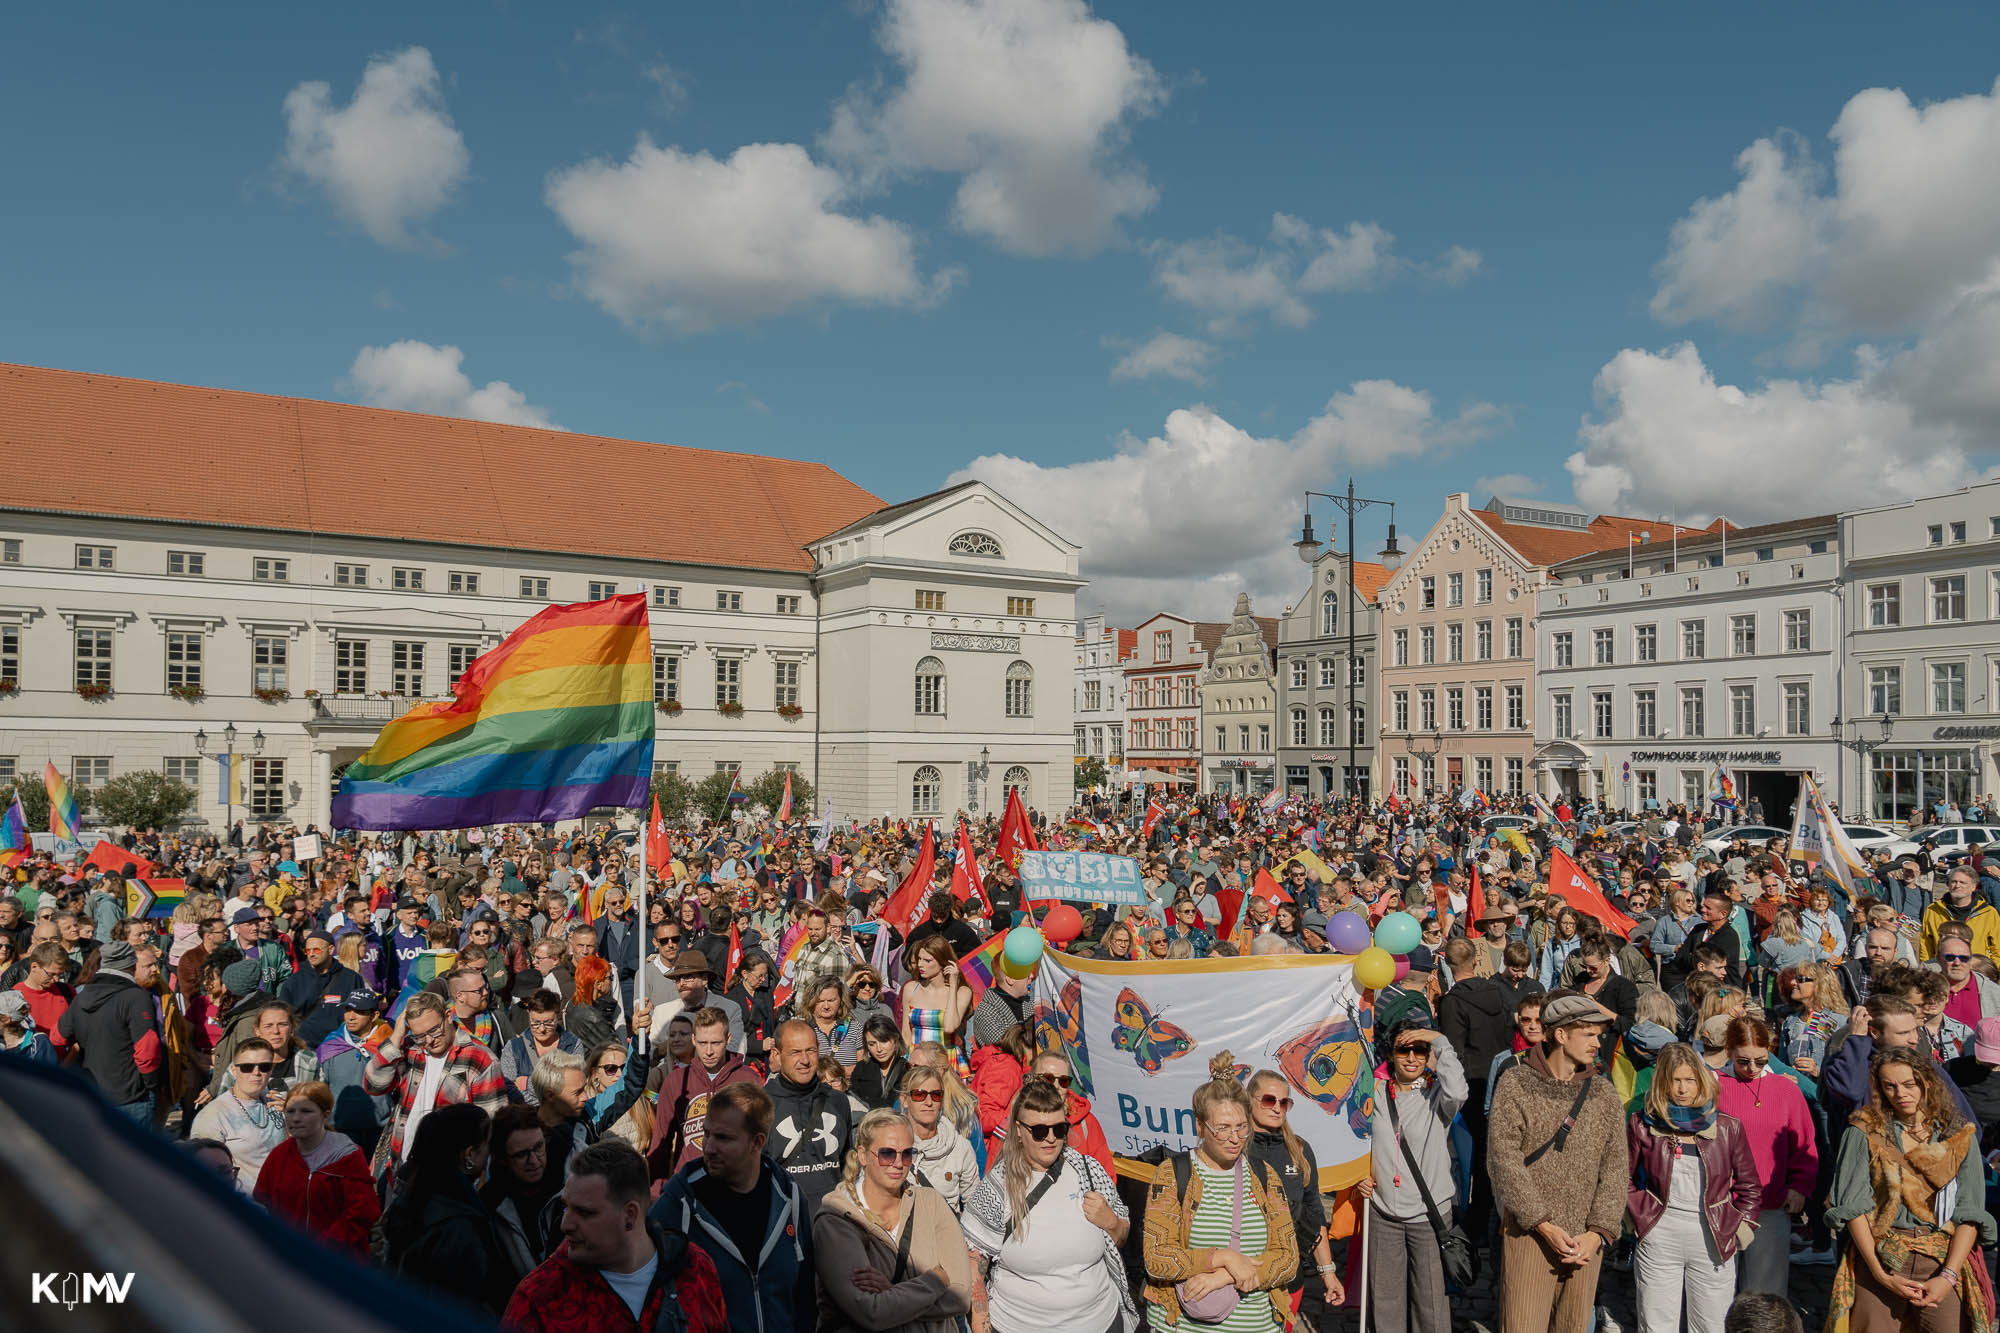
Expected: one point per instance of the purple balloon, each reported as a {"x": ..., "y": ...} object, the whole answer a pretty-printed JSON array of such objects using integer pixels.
[{"x": 1347, "y": 933}]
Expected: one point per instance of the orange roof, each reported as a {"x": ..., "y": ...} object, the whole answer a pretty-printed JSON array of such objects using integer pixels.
[
  {"x": 1545, "y": 546},
  {"x": 1369, "y": 577},
  {"x": 106, "y": 446}
]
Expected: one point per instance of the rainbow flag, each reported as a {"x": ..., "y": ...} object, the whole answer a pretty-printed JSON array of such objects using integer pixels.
[
  {"x": 789, "y": 950},
  {"x": 425, "y": 968},
  {"x": 784, "y": 814},
  {"x": 981, "y": 965},
  {"x": 14, "y": 842},
  {"x": 154, "y": 897},
  {"x": 554, "y": 722},
  {"x": 64, "y": 818},
  {"x": 1624, "y": 1074}
]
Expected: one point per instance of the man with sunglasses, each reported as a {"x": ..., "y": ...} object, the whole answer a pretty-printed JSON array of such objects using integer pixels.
[
  {"x": 241, "y": 1119},
  {"x": 1086, "y": 1135}
]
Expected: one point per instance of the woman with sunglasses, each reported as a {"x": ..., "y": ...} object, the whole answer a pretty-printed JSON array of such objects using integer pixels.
[
  {"x": 604, "y": 1072},
  {"x": 888, "y": 1250},
  {"x": 1045, "y": 1228},
  {"x": 864, "y": 998},
  {"x": 1418, "y": 1091},
  {"x": 240, "y": 1118},
  {"x": 961, "y": 1104},
  {"x": 1086, "y": 1135},
  {"x": 1291, "y": 1158},
  {"x": 946, "y": 1160},
  {"x": 1779, "y": 1128}
]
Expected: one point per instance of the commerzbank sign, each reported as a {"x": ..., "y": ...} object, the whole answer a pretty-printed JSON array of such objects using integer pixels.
[{"x": 1708, "y": 757}]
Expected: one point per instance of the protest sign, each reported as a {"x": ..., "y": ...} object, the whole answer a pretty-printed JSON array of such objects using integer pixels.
[{"x": 1083, "y": 877}]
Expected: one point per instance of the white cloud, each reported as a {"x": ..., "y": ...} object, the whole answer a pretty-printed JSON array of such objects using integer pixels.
[
  {"x": 1230, "y": 281},
  {"x": 1510, "y": 484},
  {"x": 691, "y": 242},
  {"x": 750, "y": 400},
  {"x": 1172, "y": 355},
  {"x": 418, "y": 376},
  {"x": 1029, "y": 102},
  {"x": 1146, "y": 547},
  {"x": 670, "y": 86},
  {"x": 389, "y": 159}
]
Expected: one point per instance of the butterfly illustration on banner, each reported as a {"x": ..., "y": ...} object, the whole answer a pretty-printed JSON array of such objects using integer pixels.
[
  {"x": 1328, "y": 1062},
  {"x": 1062, "y": 1029},
  {"x": 1152, "y": 1041}
]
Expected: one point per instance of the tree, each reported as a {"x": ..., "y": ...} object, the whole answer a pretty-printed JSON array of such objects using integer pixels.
[
  {"x": 769, "y": 790},
  {"x": 35, "y": 802},
  {"x": 1091, "y": 773},
  {"x": 673, "y": 792},
  {"x": 710, "y": 796},
  {"x": 143, "y": 799}
]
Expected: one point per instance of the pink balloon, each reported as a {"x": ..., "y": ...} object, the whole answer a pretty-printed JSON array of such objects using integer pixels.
[{"x": 1402, "y": 966}]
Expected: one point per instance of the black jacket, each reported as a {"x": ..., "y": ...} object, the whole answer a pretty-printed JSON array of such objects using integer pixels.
[
  {"x": 873, "y": 1086},
  {"x": 1477, "y": 1017},
  {"x": 810, "y": 1134},
  {"x": 760, "y": 1019},
  {"x": 111, "y": 1020},
  {"x": 316, "y": 998},
  {"x": 1301, "y": 1192},
  {"x": 452, "y": 1245}
]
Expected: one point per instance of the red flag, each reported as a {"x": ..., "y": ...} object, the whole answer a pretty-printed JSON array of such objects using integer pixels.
[
  {"x": 1153, "y": 812},
  {"x": 1568, "y": 882},
  {"x": 1229, "y": 902},
  {"x": 907, "y": 904},
  {"x": 112, "y": 859},
  {"x": 659, "y": 854},
  {"x": 1016, "y": 833},
  {"x": 1475, "y": 906},
  {"x": 965, "y": 883},
  {"x": 735, "y": 954},
  {"x": 1269, "y": 889}
]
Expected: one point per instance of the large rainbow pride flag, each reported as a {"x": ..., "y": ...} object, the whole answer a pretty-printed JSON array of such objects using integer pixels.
[{"x": 555, "y": 721}]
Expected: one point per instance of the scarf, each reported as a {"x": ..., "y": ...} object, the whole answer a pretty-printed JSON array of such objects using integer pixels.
[{"x": 1683, "y": 1119}]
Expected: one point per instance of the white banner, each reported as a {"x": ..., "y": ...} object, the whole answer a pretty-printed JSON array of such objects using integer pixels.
[
  {"x": 1820, "y": 841},
  {"x": 1139, "y": 1037}
]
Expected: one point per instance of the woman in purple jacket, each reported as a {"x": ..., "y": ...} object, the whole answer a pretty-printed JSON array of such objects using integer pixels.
[{"x": 1693, "y": 1198}]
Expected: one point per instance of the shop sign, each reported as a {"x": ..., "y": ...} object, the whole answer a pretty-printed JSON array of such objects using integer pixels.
[
  {"x": 1767, "y": 757},
  {"x": 1984, "y": 731}
]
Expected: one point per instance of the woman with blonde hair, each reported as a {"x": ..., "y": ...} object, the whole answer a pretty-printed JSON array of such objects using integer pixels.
[
  {"x": 947, "y": 1161},
  {"x": 1819, "y": 1009},
  {"x": 1273, "y": 1143},
  {"x": 961, "y": 1104},
  {"x": 888, "y": 1249},
  {"x": 1786, "y": 945},
  {"x": 1694, "y": 1196}
]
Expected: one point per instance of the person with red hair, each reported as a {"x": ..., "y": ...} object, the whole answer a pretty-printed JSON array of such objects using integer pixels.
[{"x": 593, "y": 1004}]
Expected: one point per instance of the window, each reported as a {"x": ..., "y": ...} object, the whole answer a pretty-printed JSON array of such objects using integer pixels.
[
  {"x": 728, "y": 680},
  {"x": 1427, "y": 645},
  {"x": 191, "y": 564},
  {"x": 353, "y": 576},
  {"x": 929, "y": 599},
  {"x": 1400, "y": 704},
  {"x": 1082, "y": 742},
  {"x": 90, "y": 770},
  {"x": 1093, "y": 695},
  {"x": 1427, "y": 772},
  {"x": 1329, "y": 613},
  {"x": 930, "y": 687},
  {"x": 1649, "y": 787},
  {"x": 1454, "y": 708},
  {"x": 1515, "y": 776},
  {"x": 93, "y": 657},
  {"x": 601, "y": 591},
  {"x": 1694, "y": 712},
  {"x": 728, "y": 765},
  {"x": 1934, "y": 534},
  {"x": 1798, "y": 708},
  {"x": 1402, "y": 647},
  {"x": 1020, "y": 606},
  {"x": 1454, "y": 643},
  {"x": 1222, "y": 740},
  {"x": 1516, "y": 637},
  {"x": 1454, "y": 590},
  {"x": 1646, "y": 643},
  {"x": 1561, "y": 650},
  {"x": 458, "y": 660},
  {"x": 1329, "y": 672},
  {"x": 1958, "y": 531},
  {"x": 1483, "y": 640},
  {"x": 1020, "y": 690},
  {"x": 662, "y": 767},
  {"x": 1298, "y": 674},
  {"x": 1600, "y": 714},
  {"x": 535, "y": 587},
  {"x": 1142, "y": 733},
  {"x": 94, "y": 557},
  {"x": 1329, "y": 727},
  {"x": 412, "y": 580},
  {"x": 266, "y": 791},
  {"x": 666, "y": 677},
  {"x": 1482, "y": 587},
  {"x": 183, "y": 661},
  {"x": 1765, "y": 552},
  {"x": 1298, "y": 726},
  {"x": 1427, "y": 710},
  {"x": 975, "y": 543},
  {"x": 406, "y": 669},
  {"x": 1403, "y": 774},
  {"x": 664, "y": 595},
  {"x": 1186, "y": 731},
  {"x": 1645, "y": 714},
  {"x": 1798, "y": 631},
  {"x": 1742, "y": 710},
  {"x": 1016, "y": 780},
  {"x": 1517, "y": 708},
  {"x": 462, "y": 581},
  {"x": 1948, "y": 687},
  {"x": 785, "y": 683},
  {"x": 788, "y": 604},
  {"x": 1243, "y": 740},
  {"x": 10, "y": 549},
  {"x": 1694, "y": 640},
  {"x": 726, "y": 600},
  {"x": 182, "y": 768},
  {"x": 1163, "y": 645},
  {"x": 350, "y": 666},
  {"x": 1600, "y": 647},
  {"x": 10, "y": 657},
  {"x": 269, "y": 569},
  {"x": 1427, "y": 597},
  {"x": 1742, "y": 635},
  {"x": 1885, "y": 689},
  {"x": 1357, "y": 727},
  {"x": 1885, "y": 605},
  {"x": 1948, "y": 598},
  {"x": 1142, "y": 693},
  {"x": 1357, "y": 673}
]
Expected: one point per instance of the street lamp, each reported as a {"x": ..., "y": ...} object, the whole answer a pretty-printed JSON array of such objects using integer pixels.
[
  {"x": 229, "y": 734},
  {"x": 1391, "y": 556},
  {"x": 1864, "y": 747},
  {"x": 1424, "y": 755}
]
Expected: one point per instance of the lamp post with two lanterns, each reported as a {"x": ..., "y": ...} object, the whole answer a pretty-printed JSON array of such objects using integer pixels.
[
  {"x": 1308, "y": 548},
  {"x": 228, "y": 752}
]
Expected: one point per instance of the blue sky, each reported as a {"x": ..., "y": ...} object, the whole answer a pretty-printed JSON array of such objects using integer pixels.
[{"x": 1150, "y": 268}]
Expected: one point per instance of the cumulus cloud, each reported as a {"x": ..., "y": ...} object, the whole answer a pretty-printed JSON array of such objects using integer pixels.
[
  {"x": 389, "y": 159},
  {"x": 1172, "y": 355},
  {"x": 691, "y": 242},
  {"x": 1147, "y": 548},
  {"x": 418, "y": 376},
  {"x": 1029, "y": 102},
  {"x": 1230, "y": 281}
]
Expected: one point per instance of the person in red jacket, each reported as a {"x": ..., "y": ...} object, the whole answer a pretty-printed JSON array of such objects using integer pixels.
[
  {"x": 615, "y": 1270},
  {"x": 318, "y": 1179},
  {"x": 682, "y": 1109},
  {"x": 1086, "y": 1135},
  {"x": 998, "y": 1070}
]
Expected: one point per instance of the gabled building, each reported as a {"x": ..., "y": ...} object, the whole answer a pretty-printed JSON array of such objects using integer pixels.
[
  {"x": 1239, "y": 705},
  {"x": 1099, "y": 703},
  {"x": 1163, "y": 699},
  {"x": 1326, "y": 714}
]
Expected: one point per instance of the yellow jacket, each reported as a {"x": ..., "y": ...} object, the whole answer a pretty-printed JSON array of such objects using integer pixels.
[{"x": 1979, "y": 918}]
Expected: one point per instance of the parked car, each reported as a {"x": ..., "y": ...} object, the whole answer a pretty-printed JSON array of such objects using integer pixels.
[
  {"x": 1494, "y": 822},
  {"x": 1943, "y": 845},
  {"x": 1754, "y": 834}
]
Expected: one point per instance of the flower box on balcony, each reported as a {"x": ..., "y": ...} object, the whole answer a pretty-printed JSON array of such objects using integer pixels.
[
  {"x": 671, "y": 707},
  {"x": 790, "y": 711},
  {"x": 730, "y": 709},
  {"x": 187, "y": 693},
  {"x": 93, "y": 691},
  {"x": 8, "y": 685},
  {"x": 273, "y": 696}
]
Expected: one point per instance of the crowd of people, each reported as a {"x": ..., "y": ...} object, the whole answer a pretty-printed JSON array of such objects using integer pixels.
[{"x": 475, "y": 1059}]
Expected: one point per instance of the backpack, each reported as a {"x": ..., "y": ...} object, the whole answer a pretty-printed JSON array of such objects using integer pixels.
[{"x": 1184, "y": 1167}]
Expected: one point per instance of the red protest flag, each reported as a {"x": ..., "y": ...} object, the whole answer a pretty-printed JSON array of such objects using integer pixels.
[
  {"x": 1016, "y": 834},
  {"x": 1229, "y": 903},
  {"x": 735, "y": 954},
  {"x": 1153, "y": 812},
  {"x": 1475, "y": 906},
  {"x": 965, "y": 883},
  {"x": 907, "y": 904},
  {"x": 1269, "y": 889},
  {"x": 659, "y": 853},
  {"x": 112, "y": 859},
  {"x": 1568, "y": 882}
]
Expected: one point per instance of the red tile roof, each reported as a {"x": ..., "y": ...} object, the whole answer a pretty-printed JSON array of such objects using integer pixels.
[
  {"x": 106, "y": 446},
  {"x": 1369, "y": 578},
  {"x": 1546, "y": 546}
]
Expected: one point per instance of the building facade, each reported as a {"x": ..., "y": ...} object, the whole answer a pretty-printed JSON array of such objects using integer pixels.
[
  {"x": 1326, "y": 713},
  {"x": 1457, "y": 628},
  {"x": 1239, "y": 706},
  {"x": 1099, "y": 701},
  {"x": 1163, "y": 701},
  {"x": 1664, "y": 669},
  {"x": 1921, "y": 698},
  {"x": 179, "y": 562}
]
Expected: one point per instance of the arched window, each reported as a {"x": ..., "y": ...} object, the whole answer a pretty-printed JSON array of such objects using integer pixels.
[
  {"x": 1016, "y": 781},
  {"x": 1020, "y": 690},
  {"x": 1299, "y": 726},
  {"x": 1329, "y": 734},
  {"x": 927, "y": 792},
  {"x": 976, "y": 543},
  {"x": 1358, "y": 728},
  {"x": 930, "y": 687},
  {"x": 1329, "y": 612}
]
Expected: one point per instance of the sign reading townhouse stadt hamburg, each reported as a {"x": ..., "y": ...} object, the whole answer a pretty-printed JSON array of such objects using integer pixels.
[
  {"x": 976, "y": 643},
  {"x": 1707, "y": 757}
]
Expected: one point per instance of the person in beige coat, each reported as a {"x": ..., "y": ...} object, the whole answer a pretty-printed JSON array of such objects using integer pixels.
[{"x": 889, "y": 1251}]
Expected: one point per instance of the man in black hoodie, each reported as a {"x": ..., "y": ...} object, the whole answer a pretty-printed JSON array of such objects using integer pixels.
[
  {"x": 112, "y": 1024},
  {"x": 317, "y": 989},
  {"x": 1477, "y": 1017},
  {"x": 810, "y": 1133}
]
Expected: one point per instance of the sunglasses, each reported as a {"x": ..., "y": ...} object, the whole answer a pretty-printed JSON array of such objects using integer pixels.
[
  {"x": 926, "y": 1095},
  {"x": 609, "y": 1070},
  {"x": 1042, "y": 1133},
  {"x": 1954, "y": 957},
  {"x": 1057, "y": 1080},
  {"x": 895, "y": 1156},
  {"x": 1746, "y": 1062},
  {"x": 256, "y": 1067},
  {"x": 1413, "y": 1048},
  {"x": 1269, "y": 1101}
]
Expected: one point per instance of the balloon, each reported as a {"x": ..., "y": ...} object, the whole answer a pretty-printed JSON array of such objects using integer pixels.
[
  {"x": 1347, "y": 932},
  {"x": 1062, "y": 924},
  {"x": 1014, "y": 970},
  {"x": 1022, "y": 948},
  {"x": 1398, "y": 933},
  {"x": 1402, "y": 966},
  {"x": 1374, "y": 969}
]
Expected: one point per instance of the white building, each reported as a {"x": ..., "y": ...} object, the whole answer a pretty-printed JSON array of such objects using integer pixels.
[
  {"x": 1099, "y": 700},
  {"x": 1922, "y": 689},
  {"x": 1319, "y": 683},
  {"x": 175, "y": 561},
  {"x": 1239, "y": 706},
  {"x": 1662, "y": 666}
]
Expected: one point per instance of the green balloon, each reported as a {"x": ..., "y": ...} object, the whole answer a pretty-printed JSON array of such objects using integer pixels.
[{"x": 1398, "y": 933}]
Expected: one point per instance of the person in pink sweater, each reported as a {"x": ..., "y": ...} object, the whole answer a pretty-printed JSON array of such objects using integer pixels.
[{"x": 1779, "y": 1128}]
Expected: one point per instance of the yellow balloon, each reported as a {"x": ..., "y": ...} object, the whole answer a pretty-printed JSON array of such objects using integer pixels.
[
  {"x": 1018, "y": 971},
  {"x": 1374, "y": 968}
]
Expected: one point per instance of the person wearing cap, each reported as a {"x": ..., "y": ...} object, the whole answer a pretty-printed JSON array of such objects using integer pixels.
[
  {"x": 695, "y": 986},
  {"x": 316, "y": 990},
  {"x": 18, "y": 1035},
  {"x": 112, "y": 1024},
  {"x": 343, "y": 1056},
  {"x": 1494, "y": 924},
  {"x": 274, "y": 965},
  {"x": 1556, "y": 1152}
]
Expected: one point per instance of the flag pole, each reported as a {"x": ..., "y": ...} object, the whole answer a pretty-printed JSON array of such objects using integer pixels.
[{"x": 644, "y": 925}]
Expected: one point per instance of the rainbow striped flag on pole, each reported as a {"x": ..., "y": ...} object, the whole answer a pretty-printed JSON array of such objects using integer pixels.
[
  {"x": 64, "y": 817},
  {"x": 13, "y": 835},
  {"x": 554, "y": 722}
]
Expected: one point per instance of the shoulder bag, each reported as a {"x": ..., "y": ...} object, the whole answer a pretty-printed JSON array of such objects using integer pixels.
[
  {"x": 1217, "y": 1305},
  {"x": 1461, "y": 1261}
]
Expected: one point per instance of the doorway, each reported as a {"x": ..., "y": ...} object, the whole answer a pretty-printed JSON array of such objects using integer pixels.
[{"x": 1776, "y": 791}]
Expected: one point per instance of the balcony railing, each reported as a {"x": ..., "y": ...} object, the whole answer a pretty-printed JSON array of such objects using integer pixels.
[{"x": 363, "y": 707}]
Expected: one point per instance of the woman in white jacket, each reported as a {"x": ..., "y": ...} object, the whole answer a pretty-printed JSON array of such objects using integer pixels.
[
  {"x": 1425, "y": 1084},
  {"x": 946, "y": 1160}
]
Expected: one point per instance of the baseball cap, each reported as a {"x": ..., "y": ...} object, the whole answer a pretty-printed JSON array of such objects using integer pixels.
[
  {"x": 362, "y": 1000},
  {"x": 242, "y": 915}
]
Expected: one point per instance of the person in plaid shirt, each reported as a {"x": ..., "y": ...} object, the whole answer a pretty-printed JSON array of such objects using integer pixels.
[
  {"x": 826, "y": 953},
  {"x": 427, "y": 1062}
]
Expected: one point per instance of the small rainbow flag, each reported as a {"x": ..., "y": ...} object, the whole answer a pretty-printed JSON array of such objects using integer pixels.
[
  {"x": 554, "y": 722},
  {"x": 154, "y": 897},
  {"x": 981, "y": 965},
  {"x": 14, "y": 841},
  {"x": 64, "y": 818},
  {"x": 789, "y": 950},
  {"x": 425, "y": 968},
  {"x": 784, "y": 814}
]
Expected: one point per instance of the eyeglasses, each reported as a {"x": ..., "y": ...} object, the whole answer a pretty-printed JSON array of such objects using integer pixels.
[
  {"x": 1042, "y": 1133},
  {"x": 609, "y": 1070},
  {"x": 925, "y": 1095},
  {"x": 529, "y": 1153},
  {"x": 1226, "y": 1131},
  {"x": 428, "y": 1032},
  {"x": 1954, "y": 958},
  {"x": 1057, "y": 1080},
  {"x": 1268, "y": 1101},
  {"x": 1413, "y": 1048},
  {"x": 256, "y": 1067},
  {"x": 895, "y": 1156}
]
